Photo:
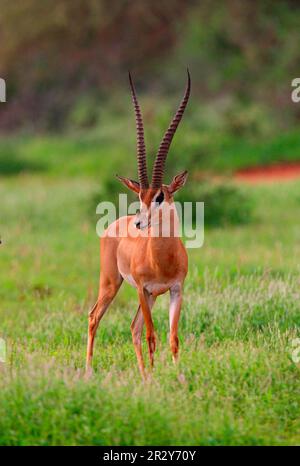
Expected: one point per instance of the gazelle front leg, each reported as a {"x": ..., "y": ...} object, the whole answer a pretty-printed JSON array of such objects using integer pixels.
[
  {"x": 175, "y": 308},
  {"x": 136, "y": 331},
  {"x": 145, "y": 302}
]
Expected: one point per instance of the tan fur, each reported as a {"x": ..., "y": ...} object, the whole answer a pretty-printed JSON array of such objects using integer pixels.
[{"x": 154, "y": 265}]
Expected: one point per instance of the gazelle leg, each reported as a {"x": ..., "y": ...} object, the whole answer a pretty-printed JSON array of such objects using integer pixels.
[
  {"x": 136, "y": 331},
  {"x": 145, "y": 302},
  {"x": 175, "y": 307},
  {"x": 107, "y": 293}
]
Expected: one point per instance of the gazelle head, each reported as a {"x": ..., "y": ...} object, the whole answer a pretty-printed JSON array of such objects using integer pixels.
[{"x": 153, "y": 196}]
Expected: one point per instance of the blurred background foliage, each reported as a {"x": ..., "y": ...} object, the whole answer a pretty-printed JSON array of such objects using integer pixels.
[
  {"x": 64, "y": 60},
  {"x": 69, "y": 111}
]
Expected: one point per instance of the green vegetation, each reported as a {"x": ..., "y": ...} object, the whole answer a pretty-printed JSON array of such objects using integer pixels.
[
  {"x": 66, "y": 129},
  {"x": 64, "y": 61},
  {"x": 236, "y": 382},
  {"x": 108, "y": 150},
  {"x": 225, "y": 203}
]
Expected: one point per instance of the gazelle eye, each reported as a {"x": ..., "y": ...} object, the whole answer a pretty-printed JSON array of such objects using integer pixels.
[{"x": 160, "y": 198}]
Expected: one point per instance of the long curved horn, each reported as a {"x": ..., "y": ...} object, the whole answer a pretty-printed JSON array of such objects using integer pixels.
[
  {"x": 141, "y": 148},
  {"x": 159, "y": 165}
]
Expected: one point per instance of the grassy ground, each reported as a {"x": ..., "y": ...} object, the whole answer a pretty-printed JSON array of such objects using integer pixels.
[{"x": 236, "y": 382}]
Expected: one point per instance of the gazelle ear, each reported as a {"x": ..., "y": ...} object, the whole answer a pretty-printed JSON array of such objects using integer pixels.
[
  {"x": 131, "y": 184},
  {"x": 177, "y": 182}
]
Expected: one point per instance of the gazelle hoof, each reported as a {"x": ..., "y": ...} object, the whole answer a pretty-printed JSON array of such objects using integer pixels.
[{"x": 88, "y": 373}]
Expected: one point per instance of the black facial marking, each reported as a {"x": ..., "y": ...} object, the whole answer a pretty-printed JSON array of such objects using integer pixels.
[{"x": 160, "y": 198}]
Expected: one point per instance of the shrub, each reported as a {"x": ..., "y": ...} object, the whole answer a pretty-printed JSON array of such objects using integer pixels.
[
  {"x": 224, "y": 203},
  {"x": 84, "y": 113}
]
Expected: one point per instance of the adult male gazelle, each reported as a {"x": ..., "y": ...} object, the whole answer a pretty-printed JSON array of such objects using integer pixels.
[{"x": 149, "y": 260}]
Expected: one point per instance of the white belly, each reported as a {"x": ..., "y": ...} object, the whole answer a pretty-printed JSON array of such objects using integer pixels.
[{"x": 157, "y": 288}]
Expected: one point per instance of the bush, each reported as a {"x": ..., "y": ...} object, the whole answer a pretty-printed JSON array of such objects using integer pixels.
[
  {"x": 224, "y": 203},
  {"x": 12, "y": 161},
  {"x": 84, "y": 113}
]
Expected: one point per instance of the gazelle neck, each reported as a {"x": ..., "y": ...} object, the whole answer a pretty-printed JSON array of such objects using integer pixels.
[{"x": 165, "y": 228}]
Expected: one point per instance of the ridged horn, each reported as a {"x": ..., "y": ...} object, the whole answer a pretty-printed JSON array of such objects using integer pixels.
[
  {"x": 141, "y": 148},
  {"x": 159, "y": 164}
]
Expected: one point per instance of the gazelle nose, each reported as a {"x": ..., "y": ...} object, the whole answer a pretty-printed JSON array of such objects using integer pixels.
[{"x": 137, "y": 224}]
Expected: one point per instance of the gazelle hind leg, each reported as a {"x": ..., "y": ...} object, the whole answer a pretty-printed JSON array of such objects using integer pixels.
[
  {"x": 107, "y": 292},
  {"x": 175, "y": 308},
  {"x": 136, "y": 331}
]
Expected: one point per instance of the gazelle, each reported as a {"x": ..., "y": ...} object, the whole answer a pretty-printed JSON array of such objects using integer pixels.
[{"x": 151, "y": 262}]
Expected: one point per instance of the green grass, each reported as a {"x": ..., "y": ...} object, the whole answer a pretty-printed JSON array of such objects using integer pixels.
[{"x": 236, "y": 382}]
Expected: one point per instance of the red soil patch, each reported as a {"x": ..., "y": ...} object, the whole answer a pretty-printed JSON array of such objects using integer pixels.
[{"x": 269, "y": 174}]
